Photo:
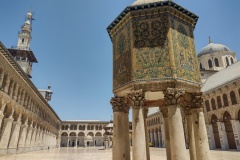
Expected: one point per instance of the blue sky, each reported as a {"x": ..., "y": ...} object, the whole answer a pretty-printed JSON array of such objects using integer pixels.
[{"x": 74, "y": 50}]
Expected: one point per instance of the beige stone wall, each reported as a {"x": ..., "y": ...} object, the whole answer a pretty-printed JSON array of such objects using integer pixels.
[
  {"x": 74, "y": 134},
  {"x": 27, "y": 121},
  {"x": 222, "y": 115}
]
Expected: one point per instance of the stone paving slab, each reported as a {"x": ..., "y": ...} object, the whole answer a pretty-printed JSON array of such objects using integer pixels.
[{"x": 101, "y": 154}]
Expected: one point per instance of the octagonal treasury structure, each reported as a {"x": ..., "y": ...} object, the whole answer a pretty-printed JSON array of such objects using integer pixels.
[
  {"x": 153, "y": 48},
  {"x": 155, "y": 64}
]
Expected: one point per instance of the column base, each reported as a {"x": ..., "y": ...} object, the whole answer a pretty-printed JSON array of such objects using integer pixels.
[
  {"x": 12, "y": 151},
  {"x": 3, "y": 151}
]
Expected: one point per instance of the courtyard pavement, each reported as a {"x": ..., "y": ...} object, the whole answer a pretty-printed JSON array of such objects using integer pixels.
[{"x": 101, "y": 154}]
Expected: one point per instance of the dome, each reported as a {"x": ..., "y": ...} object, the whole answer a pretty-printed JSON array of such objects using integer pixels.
[
  {"x": 139, "y": 2},
  {"x": 88, "y": 138},
  {"x": 212, "y": 47}
]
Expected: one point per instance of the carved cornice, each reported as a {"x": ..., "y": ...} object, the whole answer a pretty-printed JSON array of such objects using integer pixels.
[
  {"x": 136, "y": 98},
  {"x": 173, "y": 96},
  {"x": 119, "y": 104}
]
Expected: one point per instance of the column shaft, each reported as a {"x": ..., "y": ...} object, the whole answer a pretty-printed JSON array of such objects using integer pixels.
[
  {"x": 139, "y": 138},
  {"x": 201, "y": 138},
  {"x": 14, "y": 135},
  {"x": 176, "y": 133},
  {"x": 6, "y": 132},
  {"x": 191, "y": 137}
]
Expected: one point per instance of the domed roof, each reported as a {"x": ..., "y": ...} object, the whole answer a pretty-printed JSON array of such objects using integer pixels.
[
  {"x": 139, "y": 2},
  {"x": 212, "y": 47},
  {"x": 88, "y": 138}
]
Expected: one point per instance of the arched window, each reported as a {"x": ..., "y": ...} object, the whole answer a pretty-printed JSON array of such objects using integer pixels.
[
  {"x": 92, "y": 127},
  {"x": 225, "y": 100},
  {"x": 210, "y": 63},
  {"x": 96, "y": 127},
  {"x": 207, "y": 105},
  {"x": 201, "y": 66},
  {"x": 213, "y": 104},
  {"x": 219, "y": 103},
  {"x": 80, "y": 127},
  {"x": 83, "y": 127},
  {"x": 88, "y": 127},
  {"x": 75, "y": 127},
  {"x": 227, "y": 62},
  {"x": 216, "y": 62},
  {"x": 232, "y": 60},
  {"x": 233, "y": 97},
  {"x": 62, "y": 127}
]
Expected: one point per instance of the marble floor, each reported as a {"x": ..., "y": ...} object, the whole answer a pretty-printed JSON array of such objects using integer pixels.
[{"x": 101, "y": 154}]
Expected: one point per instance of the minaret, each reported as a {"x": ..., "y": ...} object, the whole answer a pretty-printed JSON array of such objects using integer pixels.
[
  {"x": 24, "y": 37},
  {"x": 22, "y": 53}
]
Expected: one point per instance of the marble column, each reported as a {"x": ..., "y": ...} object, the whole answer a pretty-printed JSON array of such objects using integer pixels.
[
  {"x": 121, "y": 145},
  {"x": 159, "y": 139},
  {"x": 145, "y": 112},
  {"x": 222, "y": 135},
  {"x": 166, "y": 133},
  {"x": 173, "y": 97},
  {"x": 22, "y": 136},
  {"x": 191, "y": 136},
  {"x": 32, "y": 142},
  {"x": 12, "y": 147},
  {"x": 139, "y": 146},
  {"x": 29, "y": 137},
  {"x": 201, "y": 138},
  {"x": 5, "y": 135},
  {"x": 236, "y": 131}
]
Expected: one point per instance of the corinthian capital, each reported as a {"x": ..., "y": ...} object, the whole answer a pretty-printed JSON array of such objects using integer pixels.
[
  {"x": 136, "y": 98},
  {"x": 193, "y": 100},
  {"x": 173, "y": 96},
  {"x": 119, "y": 104}
]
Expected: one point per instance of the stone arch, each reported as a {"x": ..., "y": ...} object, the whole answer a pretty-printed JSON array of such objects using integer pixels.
[
  {"x": 81, "y": 134},
  {"x": 88, "y": 127},
  {"x": 98, "y": 134},
  {"x": 73, "y": 134},
  {"x": 8, "y": 110},
  {"x": 17, "y": 115},
  {"x": 213, "y": 103},
  {"x": 233, "y": 98},
  {"x": 229, "y": 130},
  {"x": 225, "y": 100},
  {"x": 92, "y": 127},
  {"x": 90, "y": 134},
  {"x": 216, "y": 62},
  {"x": 63, "y": 127},
  {"x": 239, "y": 92},
  {"x": 71, "y": 127},
  {"x": 96, "y": 127},
  {"x": 216, "y": 136}
]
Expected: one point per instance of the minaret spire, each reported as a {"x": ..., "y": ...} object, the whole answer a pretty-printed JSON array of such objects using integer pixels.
[
  {"x": 22, "y": 53},
  {"x": 24, "y": 38}
]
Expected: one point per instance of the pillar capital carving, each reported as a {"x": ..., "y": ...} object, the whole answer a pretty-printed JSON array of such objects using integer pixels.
[
  {"x": 119, "y": 104},
  {"x": 136, "y": 98},
  {"x": 173, "y": 96},
  {"x": 164, "y": 111},
  {"x": 193, "y": 100}
]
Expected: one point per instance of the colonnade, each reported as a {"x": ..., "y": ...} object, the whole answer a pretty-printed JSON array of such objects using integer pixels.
[{"x": 176, "y": 102}]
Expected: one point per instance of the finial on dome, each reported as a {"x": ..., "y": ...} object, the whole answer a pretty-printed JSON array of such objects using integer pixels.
[{"x": 210, "y": 40}]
